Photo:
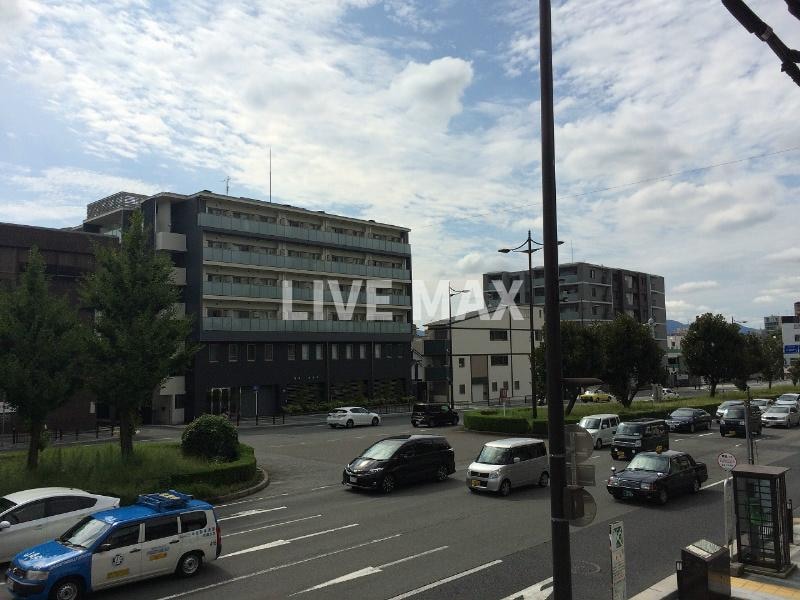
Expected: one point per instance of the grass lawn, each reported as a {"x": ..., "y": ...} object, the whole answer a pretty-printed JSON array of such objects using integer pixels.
[{"x": 155, "y": 467}]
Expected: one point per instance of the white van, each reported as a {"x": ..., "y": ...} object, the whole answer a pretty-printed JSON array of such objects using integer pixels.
[
  {"x": 510, "y": 463},
  {"x": 601, "y": 427}
]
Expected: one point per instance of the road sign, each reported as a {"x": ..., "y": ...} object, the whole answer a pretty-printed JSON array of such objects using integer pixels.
[
  {"x": 578, "y": 442},
  {"x": 791, "y": 349},
  {"x": 617, "y": 538},
  {"x": 726, "y": 460}
]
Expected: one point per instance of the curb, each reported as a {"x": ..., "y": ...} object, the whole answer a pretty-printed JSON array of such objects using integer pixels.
[{"x": 246, "y": 492}]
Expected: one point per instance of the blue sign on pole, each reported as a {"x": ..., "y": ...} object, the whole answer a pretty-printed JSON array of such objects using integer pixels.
[{"x": 791, "y": 349}]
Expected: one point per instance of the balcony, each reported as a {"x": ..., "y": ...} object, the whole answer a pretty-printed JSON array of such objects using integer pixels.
[
  {"x": 233, "y": 324},
  {"x": 173, "y": 386},
  {"x": 435, "y": 348},
  {"x": 246, "y": 290},
  {"x": 435, "y": 373},
  {"x": 178, "y": 276},
  {"x": 314, "y": 236},
  {"x": 175, "y": 242},
  {"x": 302, "y": 264}
]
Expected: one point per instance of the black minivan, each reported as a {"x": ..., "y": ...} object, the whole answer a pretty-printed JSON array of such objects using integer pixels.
[
  {"x": 401, "y": 459},
  {"x": 433, "y": 415},
  {"x": 639, "y": 435}
]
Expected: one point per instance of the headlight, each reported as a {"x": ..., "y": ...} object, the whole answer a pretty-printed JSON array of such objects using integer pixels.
[
  {"x": 646, "y": 486},
  {"x": 613, "y": 480},
  {"x": 638, "y": 443},
  {"x": 494, "y": 475},
  {"x": 376, "y": 470},
  {"x": 36, "y": 575}
]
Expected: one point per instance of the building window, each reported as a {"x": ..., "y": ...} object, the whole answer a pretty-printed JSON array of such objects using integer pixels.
[
  {"x": 251, "y": 352},
  {"x": 362, "y": 351},
  {"x": 462, "y": 389},
  {"x": 268, "y": 352},
  {"x": 180, "y": 401},
  {"x": 233, "y": 353},
  {"x": 213, "y": 353},
  {"x": 494, "y": 386},
  {"x": 516, "y": 385},
  {"x": 377, "y": 350},
  {"x": 505, "y": 385},
  {"x": 334, "y": 352},
  {"x": 348, "y": 351},
  {"x": 318, "y": 352},
  {"x": 591, "y": 273},
  {"x": 498, "y": 335},
  {"x": 389, "y": 350},
  {"x": 290, "y": 351},
  {"x": 305, "y": 352},
  {"x": 499, "y": 360},
  {"x": 595, "y": 310},
  {"x": 594, "y": 292},
  {"x": 461, "y": 363}
]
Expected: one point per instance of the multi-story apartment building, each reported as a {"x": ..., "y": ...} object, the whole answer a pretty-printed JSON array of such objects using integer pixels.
[
  {"x": 490, "y": 355},
  {"x": 261, "y": 281},
  {"x": 589, "y": 293}
]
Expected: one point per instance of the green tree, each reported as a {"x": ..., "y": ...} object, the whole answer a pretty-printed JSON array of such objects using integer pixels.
[
  {"x": 582, "y": 356},
  {"x": 794, "y": 372},
  {"x": 41, "y": 344},
  {"x": 749, "y": 361},
  {"x": 138, "y": 338},
  {"x": 712, "y": 348},
  {"x": 633, "y": 358},
  {"x": 772, "y": 352}
]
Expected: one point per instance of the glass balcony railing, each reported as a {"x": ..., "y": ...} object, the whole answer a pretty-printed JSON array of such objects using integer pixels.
[
  {"x": 300, "y": 233},
  {"x": 246, "y": 290},
  {"x": 302, "y": 264},
  {"x": 233, "y": 324}
]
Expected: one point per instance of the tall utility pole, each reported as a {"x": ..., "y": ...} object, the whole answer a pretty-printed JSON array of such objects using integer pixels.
[
  {"x": 530, "y": 326},
  {"x": 450, "y": 293},
  {"x": 562, "y": 573}
]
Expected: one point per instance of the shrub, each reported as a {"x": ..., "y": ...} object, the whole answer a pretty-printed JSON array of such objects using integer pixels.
[
  {"x": 477, "y": 421},
  {"x": 211, "y": 437}
]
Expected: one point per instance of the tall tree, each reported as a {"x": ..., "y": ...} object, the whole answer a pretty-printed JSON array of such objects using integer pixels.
[
  {"x": 633, "y": 358},
  {"x": 794, "y": 372},
  {"x": 749, "y": 361},
  {"x": 712, "y": 348},
  {"x": 41, "y": 343},
  {"x": 772, "y": 352},
  {"x": 138, "y": 338},
  {"x": 582, "y": 355}
]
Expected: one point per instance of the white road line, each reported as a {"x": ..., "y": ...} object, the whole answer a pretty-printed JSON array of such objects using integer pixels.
[
  {"x": 277, "y": 568},
  {"x": 250, "y": 513},
  {"x": 435, "y": 584},
  {"x": 277, "y": 543},
  {"x": 368, "y": 571},
  {"x": 705, "y": 434},
  {"x": 251, "y": 500},
  {"x": 679, "y": 440},
  {"x": 322, "y": 487},
  {"x": 595, "y": 456},
  {"x": 712, "y": 484},
  {"x": 538, "y": 591},
  {"x": 272, "y": 525}
]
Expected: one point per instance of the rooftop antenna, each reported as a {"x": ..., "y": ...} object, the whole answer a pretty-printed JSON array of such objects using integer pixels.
[
  {"x": 270, "y": 174},
  {"x": 227, "y": 181}
]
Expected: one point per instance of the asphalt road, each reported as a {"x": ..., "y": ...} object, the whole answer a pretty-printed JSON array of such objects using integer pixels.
[{"x": 305, "y": 536}]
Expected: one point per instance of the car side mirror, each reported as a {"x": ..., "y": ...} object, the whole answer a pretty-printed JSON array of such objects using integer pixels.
[
  {"x": 4, "y": 525},
  {"x": 104, "y": 547},
  {"x": 613, "y": 469},
  {"x": 516, "y": 459}
]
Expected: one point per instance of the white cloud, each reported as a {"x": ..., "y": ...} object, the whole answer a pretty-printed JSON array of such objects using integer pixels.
[
  {"x": 785, "y": 255},
  {"x": 695, "y": 286}
]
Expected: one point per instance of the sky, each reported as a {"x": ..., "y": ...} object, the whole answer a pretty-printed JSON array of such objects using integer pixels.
[{"x": 677, "y": 136}]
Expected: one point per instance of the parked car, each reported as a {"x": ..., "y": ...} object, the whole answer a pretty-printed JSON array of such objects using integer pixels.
[
  {"x": 788, "y": 399},
  {"x": 601, "y": 427},
  {"x": 733, "y": 421},
  {"x": 349, "y": 416},
  {"x": 667, "y": 394},
  {"x": 639, "y": 435},
  {"x": 433, "y": 415},
  {"x": 689, "y": 419},
  {"x": 725, "y": 406},
  {"x": 786, "y": 416},
  {"x": 596, "y": 395},
  {"x": 34, "y": 516},
  {"x": 159, "y": 534},
  {"x": 510, "y": 463},
  {"x": 400, "y": 459},
  {"x": 761, "y": 404},
  {"x": 657, "y": 476}
]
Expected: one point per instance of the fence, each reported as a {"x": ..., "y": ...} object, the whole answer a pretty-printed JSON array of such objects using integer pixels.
[{"x": 20, "y": 439}]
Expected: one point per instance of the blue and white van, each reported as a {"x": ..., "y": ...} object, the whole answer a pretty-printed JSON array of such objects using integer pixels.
[{"x": 161, "y": 533}]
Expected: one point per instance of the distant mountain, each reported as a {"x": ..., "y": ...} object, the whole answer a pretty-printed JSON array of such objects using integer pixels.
[{"x": 675, "y": 326}]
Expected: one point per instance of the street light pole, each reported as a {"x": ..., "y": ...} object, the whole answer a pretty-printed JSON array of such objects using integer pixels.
[
  {"x": 562, "y": 570},
  {"x": 451, "y": 292},
  {"x": 534, "y": 410}
]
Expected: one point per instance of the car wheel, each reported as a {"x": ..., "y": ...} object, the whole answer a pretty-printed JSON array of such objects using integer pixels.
[
  {"x": 695, "y": 486},
  {"x": 691, "y": 427},
  {"x": 414, "y": 424},
  {"x": 375, "y": 421},
  {"x": 722, "y": 433},
  {"x": 441, "y": 473},
  {"x": 505, "y": 488},
  {"x": 67, "y": 589},
  {"x": 455, "y": 420},
  {"x": 387, "y": 484},
  {"x": 189, "y": 564},
  {"x": 708, "y": 426},
  {"x": 349, "y": 423},
  {"x": 544, "y": 479},
  {"x": 598, "y": 444},
  {"x": 663, "y": 496},
  {"x": 332, "y": 425}
]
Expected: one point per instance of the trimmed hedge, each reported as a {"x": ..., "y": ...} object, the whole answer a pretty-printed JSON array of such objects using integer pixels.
[
  {"x": 212, "y": 437},
  {"x": 241, "y": 470},
  {"x": 485, "y": 420}
]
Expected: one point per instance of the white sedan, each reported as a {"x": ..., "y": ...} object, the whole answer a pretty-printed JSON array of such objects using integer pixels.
[
  {"x": 31, "y": 517},
  {"x": 349, "y": 416}
]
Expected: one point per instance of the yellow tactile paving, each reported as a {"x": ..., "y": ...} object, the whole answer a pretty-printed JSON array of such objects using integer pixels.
[{"x": 764, "y": 588}]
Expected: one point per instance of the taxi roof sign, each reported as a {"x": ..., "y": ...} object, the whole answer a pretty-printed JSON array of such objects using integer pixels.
[{"x": 169, "y": 500}]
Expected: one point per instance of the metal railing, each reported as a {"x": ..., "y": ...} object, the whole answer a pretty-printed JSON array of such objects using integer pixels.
[
  {"x": 113, "y": 202},
  {"x": 247, "y": 290},
  {"x": 16, "y": 438},
  {"x": 235, "y": 324}
]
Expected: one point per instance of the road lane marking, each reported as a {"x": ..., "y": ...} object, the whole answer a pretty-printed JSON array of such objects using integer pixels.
[
  {"x": 251, "y": 500},
  {"x": 277, "y": 568},
  {"x": 712, "y": 484},
  {"x": 536, "y": 592},
  {"x": 272, "y": 525},
  {"x": 705, "y": 434},
  {"x": 678, "y": 440},
  {"x": 277, "y": 543},
  {"x": 322, "y": 487},
  {"x": 250, "y": 513},
  {"x": 368, "y": 571},
  {"x": 435, "y": 584}
]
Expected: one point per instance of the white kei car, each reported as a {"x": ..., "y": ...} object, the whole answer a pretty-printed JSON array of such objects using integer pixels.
[
  {"x": 349, "y": 416},
  {"x": 31, "y": 517}
]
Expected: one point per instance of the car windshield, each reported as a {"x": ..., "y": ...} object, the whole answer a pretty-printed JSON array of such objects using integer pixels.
[
  {"x": 682, "y": 412},
  {"x": 491, "y": 455},
  {"x": 729, "y": 403},
  {"x": 735, "y": 413},
  {"x": 5, "y": 504},
  {"x": 760, "y": 402},
  {"x": 339, "y": 411},
  {"x": 85, "y": 533},
  {"x": 382, "y": 450},
  {"x": 420, "y": 408},
  {"x": 644, "y": 462},
  {"x": 590, "y": 423},
  {"x": 779, "y": 409},
  {"x": 630, "y": 429},
  {"x": 787, "y": 398}
]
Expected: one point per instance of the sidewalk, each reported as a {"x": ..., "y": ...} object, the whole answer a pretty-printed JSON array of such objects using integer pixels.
[{"x": 747, "y": 587}]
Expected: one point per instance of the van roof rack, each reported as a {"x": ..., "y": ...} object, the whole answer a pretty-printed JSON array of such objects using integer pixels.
[{"x": 163, "y": 501}]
